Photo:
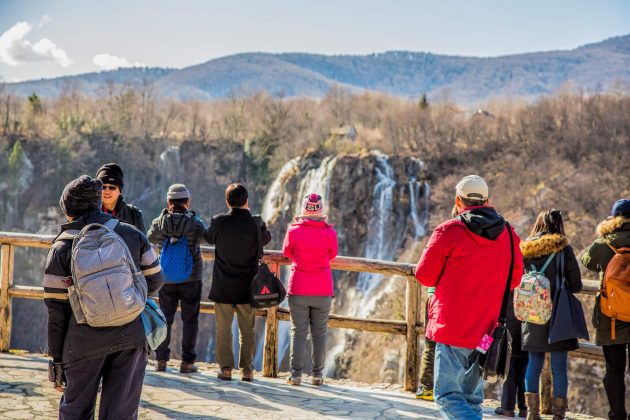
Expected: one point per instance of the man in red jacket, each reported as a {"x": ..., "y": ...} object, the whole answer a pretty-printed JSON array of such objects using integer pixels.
[{"x": 467, "y": 259}]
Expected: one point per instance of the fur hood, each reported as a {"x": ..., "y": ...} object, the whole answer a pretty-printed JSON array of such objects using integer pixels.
[
  {"x": 539, "y": 246},
  {"x": 611, "y": 225}
]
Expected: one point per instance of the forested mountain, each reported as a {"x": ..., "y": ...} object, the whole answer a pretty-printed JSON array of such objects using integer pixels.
[{"x": 465, "y": 80}]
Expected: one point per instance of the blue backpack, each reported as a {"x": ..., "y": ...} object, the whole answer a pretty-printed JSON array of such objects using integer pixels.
[
  {"x": 154, "y": 323},
  {"x": 176, "y": 259}
]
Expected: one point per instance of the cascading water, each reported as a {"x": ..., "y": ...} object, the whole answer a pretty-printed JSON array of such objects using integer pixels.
[
  {"x": 170, "y": 165},
  {"x": 278, "y": 200},
  {"x": 378, "y": 243}
]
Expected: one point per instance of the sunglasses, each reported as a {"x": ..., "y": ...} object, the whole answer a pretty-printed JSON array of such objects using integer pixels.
[{"x": 110, "y": 187}]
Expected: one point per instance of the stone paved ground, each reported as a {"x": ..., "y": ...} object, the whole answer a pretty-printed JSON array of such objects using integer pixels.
[{"x": 25, "y": 393}]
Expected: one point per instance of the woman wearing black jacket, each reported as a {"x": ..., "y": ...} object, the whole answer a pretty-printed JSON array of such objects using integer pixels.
[{"x": 548, "y": 238}]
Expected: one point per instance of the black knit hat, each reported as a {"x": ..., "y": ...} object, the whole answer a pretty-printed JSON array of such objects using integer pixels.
[
  {"x": 81, "y": 196},
  {"x": 111, "y": 173}
]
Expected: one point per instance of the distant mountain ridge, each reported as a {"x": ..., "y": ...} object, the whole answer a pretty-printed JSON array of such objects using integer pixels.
[{"x": 592, "y": 67}]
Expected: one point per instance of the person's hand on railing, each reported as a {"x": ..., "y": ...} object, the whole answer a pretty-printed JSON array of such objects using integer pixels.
[{"x": 56, "y": 375}]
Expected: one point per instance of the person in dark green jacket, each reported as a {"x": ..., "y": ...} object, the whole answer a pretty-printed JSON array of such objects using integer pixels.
[{"x": 615, "y": 231}]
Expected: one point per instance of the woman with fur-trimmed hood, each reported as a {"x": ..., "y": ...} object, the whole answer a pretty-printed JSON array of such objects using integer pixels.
[
  {"x": 614, "y": 231},
  {"x": 547, "y": 238}
]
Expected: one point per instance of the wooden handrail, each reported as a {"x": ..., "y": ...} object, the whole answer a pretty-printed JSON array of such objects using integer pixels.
[{"x": 411, "y": 327}]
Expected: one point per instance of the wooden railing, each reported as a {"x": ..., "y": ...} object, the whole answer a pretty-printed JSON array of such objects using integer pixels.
[{"x": 412, "y": 327}]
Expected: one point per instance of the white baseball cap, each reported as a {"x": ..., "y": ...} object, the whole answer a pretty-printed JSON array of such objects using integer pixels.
[{"x": 472, "y": 187}]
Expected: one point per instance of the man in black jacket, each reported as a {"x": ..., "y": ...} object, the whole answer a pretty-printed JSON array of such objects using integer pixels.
[
  {"x": 235, "y": 237},
  {"x": 111, "y": 175},
  {"x": 83, "y": 355},
  {"x": 177, "y": 222}
]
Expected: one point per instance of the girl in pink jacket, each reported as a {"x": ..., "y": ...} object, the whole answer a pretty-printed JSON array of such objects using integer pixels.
[{"x": 310, "y": 243}]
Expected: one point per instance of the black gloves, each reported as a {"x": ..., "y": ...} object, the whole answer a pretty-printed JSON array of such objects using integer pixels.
[{"x": 56, "y": 375}]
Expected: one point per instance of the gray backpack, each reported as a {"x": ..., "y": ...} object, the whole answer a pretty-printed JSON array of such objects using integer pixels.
[{"x": 106, "y": 289}]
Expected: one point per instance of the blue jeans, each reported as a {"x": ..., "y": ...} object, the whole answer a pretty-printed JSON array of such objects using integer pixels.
[
  {"x": 458, "y": 387},
  {"x": 558, "y": 370}
]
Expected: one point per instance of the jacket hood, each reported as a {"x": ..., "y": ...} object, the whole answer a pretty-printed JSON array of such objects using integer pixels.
[
  {"x": 539, "y": 246},
  {"x": 94, "y": 216},
  {"x": 613, "y": 224},
  {"x": 176, "y": 224},
  {"x": 483, "y": 221}
]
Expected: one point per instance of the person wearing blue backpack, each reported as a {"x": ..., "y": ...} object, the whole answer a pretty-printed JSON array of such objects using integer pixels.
[{"x": 178, "y": 231}]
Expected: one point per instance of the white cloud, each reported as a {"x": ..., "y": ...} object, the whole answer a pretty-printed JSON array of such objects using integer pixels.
[
  {"x": 15, "y": 49},
  {"x": 111, "y": 62}
]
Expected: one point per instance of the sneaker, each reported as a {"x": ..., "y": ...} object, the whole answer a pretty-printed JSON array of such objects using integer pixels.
[
  {"x": 225, "y": 374},
  {"x": 294, "y": 380},
  {"x": 188, "y": 368},
  {"x": 424, "y": 394},
  {"x": 503, "y": 412},
  {"x": 160, "y": 366},
  {"x": 247, "y": 376},
  {"x": 317, "y": 379}
]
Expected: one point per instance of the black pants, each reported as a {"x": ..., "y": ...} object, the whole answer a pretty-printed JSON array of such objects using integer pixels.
[
  {"x": 122, "y": 373},
  {"x": 514, "y": 385},
  {"x": 188, "y": 295},
  {"x": 616, "y": 357}
]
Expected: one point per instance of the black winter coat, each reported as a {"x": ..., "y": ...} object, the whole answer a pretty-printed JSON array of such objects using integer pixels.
[
  {"x": 70, "y": 342},
  {"x": 515, "y": 328},
  {"x": 128, "y": 213},
  {"x": 176, "y": 225},
  {"x": 235, "y": 237},
  {"x": 536, "y": 251}
]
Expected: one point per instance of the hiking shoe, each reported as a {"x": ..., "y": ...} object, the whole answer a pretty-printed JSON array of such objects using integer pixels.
[
  {"x": 225, "y": 374},
  {"x": 424, "y": 394},
  {"x": 188, "y": 368},
  {"x": 294, "y": 380},
  {"x": 503, "y": 412},
  {"x": 522, "y": 412},
  {"x": 317, "y": 379},
  {"x": 160, "y": 366},
  {"x": 247, "y": 376}
]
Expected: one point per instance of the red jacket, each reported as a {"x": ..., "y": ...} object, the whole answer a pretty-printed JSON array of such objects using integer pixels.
[
  {"x": 470, "y": 271},
  {"x": 310, "y": 245}
]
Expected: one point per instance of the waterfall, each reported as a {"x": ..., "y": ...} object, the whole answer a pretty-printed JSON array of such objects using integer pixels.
[
  {"x": 278, "y": 199},
  {"x": 317, "y": 181},
  {"x": 378, "y": 244},
  {"x": 170, "y": 165},
  {"x": 419, "y": 203}
]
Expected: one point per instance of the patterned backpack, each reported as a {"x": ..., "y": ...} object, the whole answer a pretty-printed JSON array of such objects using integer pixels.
[
  {"x": 532, "y": 298},
  {"x": 176, "y": 260}
]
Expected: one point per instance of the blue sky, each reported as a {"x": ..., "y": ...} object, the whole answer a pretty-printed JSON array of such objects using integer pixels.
[{"x": 47, "y": 38}]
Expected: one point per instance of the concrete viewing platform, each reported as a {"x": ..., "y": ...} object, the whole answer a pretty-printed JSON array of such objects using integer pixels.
[{"x": 25, "y": 393}]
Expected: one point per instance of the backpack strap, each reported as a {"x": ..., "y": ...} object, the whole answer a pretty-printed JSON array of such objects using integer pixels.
[
  {"x": 506, "y": 293},
  {"x": 258, "y": 221},
  {"x": 111, "y": 223},
  {"x": 621, "y": 250},
  {"x": 549, "y": 259}
]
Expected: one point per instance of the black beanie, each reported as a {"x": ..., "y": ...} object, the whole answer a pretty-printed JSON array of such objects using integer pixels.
[
  {"x": 111, "y": 173},
  {"x": 81, "y": 195}
]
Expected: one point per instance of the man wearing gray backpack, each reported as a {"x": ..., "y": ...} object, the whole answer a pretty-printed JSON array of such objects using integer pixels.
[{"x": 98, "y": 274}]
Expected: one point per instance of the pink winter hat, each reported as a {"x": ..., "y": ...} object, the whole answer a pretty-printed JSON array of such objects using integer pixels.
[{"x": 313, "y": 206}]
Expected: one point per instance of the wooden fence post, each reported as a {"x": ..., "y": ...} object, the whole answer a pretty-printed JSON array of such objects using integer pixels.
[
  {"x": 270, "y": 355},
  {"x": 546, "y": 387},
  {"x": 412, "y": 315},
  {"x": 6, "y": 281}
]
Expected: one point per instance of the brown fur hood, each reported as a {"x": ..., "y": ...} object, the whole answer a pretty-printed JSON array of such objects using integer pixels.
[
  {"x": 540, "y": 246},
  {"x": 611, "y": 224}
]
